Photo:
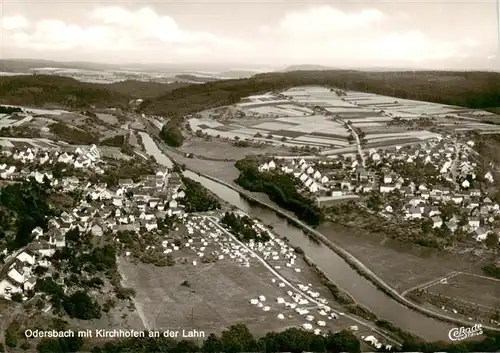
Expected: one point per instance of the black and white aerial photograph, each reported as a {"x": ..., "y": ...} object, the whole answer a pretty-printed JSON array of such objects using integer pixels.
[{"x": 236, "y": 176}]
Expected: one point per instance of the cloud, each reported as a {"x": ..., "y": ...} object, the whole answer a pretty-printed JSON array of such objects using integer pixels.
[
  {"x": 114, "y": 29},
  {"x": 320, "y": 34},
  {"x": 326, "y": 20},
  {"x": 9, "y": 23},
  {"x": 326, "y": 35}
]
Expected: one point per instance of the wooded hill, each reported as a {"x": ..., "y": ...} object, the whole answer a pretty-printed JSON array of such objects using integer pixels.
[
  {"x": 469, "y": 89},
  {"x": 64, "y": 92}
]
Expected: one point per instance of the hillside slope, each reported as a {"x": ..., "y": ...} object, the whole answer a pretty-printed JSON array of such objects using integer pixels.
[
  {"x": 63, "y": 92},
  {"x": 57, "y": 92},
  {"x": 468, "y": 89}
]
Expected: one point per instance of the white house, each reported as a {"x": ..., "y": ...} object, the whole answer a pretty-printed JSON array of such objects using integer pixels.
[
  {"x": 172, "y": 204},
  {"x": 7, "y": 287},
  {"x": 272, "y": 165},
  {"x": 337, "y": 193},
  {"x": 457, "y": 199},
  {"x": 30, "y": 283},
  {"x": 27, "y": 257},
  {"x": 386, "y": 188},
  {"x": 97, "y": 230},
  {"x": 414, "y": 213},
  {"x": 16, "y": 273},
  {"x": 264, "y": 167},
  {"x": 150, "y": 225}
]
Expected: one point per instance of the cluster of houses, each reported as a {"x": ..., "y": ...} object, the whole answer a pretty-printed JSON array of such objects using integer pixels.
[
  {"x": 451, "y": 159},
  {"x": 80, "y": 157},
  {"x": 130, "y": 206},
  {"x": 312, "y": 180}
]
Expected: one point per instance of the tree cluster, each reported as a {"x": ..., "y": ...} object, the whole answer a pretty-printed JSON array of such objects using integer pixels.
[
  {"x": 492, "y": 270},
  {"x": 9, "y": 110},
  {"x": 57, "y": 91},
  {"x": 77, "y": 305},
  {"x": 23, "y": 207},
  {"x": 242, "y": 228},
  {"x": 197, "y": 198},
  {"x": 171, "y": 133},
  {"x": 280, "y": 188},
  {"x": 119, "y": 141},
  {"x": 489, "y": 344}
]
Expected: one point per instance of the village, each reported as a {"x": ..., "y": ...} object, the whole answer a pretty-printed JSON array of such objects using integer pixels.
[
  {"x": 128, "y": 207},
  {"x": 438, "y": 181},
  {"x": 290, "y": 292}
]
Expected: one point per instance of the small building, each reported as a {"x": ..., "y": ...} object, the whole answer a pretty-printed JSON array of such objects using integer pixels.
[{"x": 437, "y": 222}]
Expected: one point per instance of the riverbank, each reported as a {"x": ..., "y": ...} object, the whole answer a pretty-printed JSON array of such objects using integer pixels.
[{"x": 357, "y": 265}]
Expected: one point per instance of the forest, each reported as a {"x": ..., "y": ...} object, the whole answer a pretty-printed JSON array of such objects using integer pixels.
[{"x": 23, "y": 207}]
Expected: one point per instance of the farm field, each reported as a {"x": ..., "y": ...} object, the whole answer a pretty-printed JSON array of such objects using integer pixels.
[
  {"x": 294, "y": 122},
  {"x": 219, "y": 150},
  {"x": 18, "y": 142}
]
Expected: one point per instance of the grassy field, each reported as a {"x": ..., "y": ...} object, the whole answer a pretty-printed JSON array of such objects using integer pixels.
[
  {"x": 470, "y": 288},
  {"x": 218, "y": 296},
  {"x": 401, "y": 265},
  {"x": 213, "y": 294}
]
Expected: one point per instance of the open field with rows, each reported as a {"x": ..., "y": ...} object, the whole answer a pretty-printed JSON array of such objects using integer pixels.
[{"x": 315, "y": 117}]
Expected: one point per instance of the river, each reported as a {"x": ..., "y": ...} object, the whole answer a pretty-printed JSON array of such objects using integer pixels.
[
  {"x": 363, "y": 291},
  {"x": 153, "y": 150}
]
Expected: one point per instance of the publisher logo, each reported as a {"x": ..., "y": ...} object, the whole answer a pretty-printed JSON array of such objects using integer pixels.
[{"x": 461, "y": 333}]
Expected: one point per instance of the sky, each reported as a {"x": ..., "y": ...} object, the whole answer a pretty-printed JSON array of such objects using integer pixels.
[{"x": 272, "y": 33}]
